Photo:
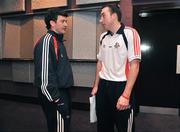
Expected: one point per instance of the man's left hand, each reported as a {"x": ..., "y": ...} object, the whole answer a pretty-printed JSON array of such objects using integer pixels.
[{"x": 122, "y": 103}]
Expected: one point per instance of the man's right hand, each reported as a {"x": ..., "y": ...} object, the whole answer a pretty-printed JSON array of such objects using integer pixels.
[
  {"x": 56, "y": 101},
  {"x": 62, "y": 108},
  {"x": 94, "y": 91}
]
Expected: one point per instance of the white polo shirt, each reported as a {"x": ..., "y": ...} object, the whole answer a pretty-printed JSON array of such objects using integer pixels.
[{"x": 114, "y": 55}]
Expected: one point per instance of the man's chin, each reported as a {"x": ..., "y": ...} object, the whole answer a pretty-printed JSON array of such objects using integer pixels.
[
  {"x": 63, "y": 31},
  {"x": 105, "y": 28}
]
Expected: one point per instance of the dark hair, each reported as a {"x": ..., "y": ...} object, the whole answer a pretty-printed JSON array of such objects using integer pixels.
[
  {"x": 114, "y": 9},
  {"x": 52, "y": 14}
]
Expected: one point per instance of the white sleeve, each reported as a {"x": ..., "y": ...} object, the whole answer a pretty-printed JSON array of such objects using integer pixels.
[
  {"x": 99, "y": 54},
  {"x": 134, "y": 48}
]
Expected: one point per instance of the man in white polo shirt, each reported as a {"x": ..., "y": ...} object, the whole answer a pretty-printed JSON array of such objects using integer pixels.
[{"x": 116, "y": 72}]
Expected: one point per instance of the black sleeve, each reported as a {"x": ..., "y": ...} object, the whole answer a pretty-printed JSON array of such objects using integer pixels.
[{"x": 49, "y": 85}]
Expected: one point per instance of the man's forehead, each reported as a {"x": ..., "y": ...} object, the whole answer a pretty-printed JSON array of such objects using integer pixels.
[
  {"x": 105, "y": 9},
  {"x": 62, "y": 17}
]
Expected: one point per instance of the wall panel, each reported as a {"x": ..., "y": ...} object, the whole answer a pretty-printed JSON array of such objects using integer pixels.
[
  {"x": 5, "y": 70},
  {"x": 7, "y": 6},
  {"x": 21, "y": 71},
  {"x": 68, "y": 36},
  {"x": 42, "y": 4},
  {"x": 31, "y": 72},
  {"x": 84, "y": 35},
  {"x": 99, "y": 31},
  {"x": 39, "y": 27},
  {"x": 84, "y": 74},
  {"x": 81, "y": 2},
  {"x": 11, "y": 48},
  {"x": 26, "y": 38},
  {"x": 18, "y": 37}
]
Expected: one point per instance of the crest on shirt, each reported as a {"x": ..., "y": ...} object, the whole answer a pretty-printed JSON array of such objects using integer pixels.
[{"x": 116, "y": 45}]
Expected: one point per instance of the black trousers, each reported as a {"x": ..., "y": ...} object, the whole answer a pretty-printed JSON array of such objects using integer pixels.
[
  {"x": 57, "y": 115},
  {"x": 108, "y": 117}
]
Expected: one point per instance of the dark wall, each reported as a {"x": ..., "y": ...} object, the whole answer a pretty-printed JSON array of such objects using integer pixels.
[{"x": 158, "y": 84}]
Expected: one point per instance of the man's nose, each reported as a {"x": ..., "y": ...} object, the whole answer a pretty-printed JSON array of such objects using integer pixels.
[
  {"x": 65, "y": 24},
  {"x": 100, "y": 20}
]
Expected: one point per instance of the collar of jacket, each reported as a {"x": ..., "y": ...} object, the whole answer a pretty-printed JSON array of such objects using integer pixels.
[{"x": 59, "y": 37}]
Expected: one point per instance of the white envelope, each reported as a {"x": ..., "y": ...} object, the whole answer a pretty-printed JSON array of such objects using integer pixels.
[{"x": 92, "y": 101}]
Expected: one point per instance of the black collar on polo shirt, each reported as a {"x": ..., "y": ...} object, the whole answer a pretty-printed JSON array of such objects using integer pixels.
[{"x": 120, "y": 30}]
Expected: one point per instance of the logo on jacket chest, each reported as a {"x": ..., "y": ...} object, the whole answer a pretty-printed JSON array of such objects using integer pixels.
[{"x": 116, "y": 45}]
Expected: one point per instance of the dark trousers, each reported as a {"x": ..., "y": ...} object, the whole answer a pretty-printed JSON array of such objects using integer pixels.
[
  {"x": 57, "y": 115},
  {"x": 108, "y": 117}
]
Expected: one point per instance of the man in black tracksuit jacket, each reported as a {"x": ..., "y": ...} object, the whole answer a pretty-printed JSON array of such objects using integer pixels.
[{"x": 53, "y": 73}]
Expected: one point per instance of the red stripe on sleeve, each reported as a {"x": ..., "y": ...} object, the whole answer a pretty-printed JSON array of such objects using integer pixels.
[
  {"x": 55, "y": 47},
  {"x": 136, "y": 42},
  {"x": 37, "y": 40},
  {"x": 127, "y": 68}
]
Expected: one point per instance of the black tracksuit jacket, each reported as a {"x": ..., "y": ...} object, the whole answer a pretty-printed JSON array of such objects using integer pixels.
[{"x": 52, "y": 71}]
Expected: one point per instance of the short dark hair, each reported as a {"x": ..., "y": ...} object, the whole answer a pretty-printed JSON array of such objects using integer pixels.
[
  {"x": 114, "y": 9},
  {"x": 52, "y": 14}
]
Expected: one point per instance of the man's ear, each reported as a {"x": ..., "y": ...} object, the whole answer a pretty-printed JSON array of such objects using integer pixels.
[
  {"x": 52, "y": 23},
  {"x": 114, "y": 16}
]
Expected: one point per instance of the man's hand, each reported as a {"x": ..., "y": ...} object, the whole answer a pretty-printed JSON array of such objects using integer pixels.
[
  {"x": 56, "y": 101},
  {"x": 94, "y": 91},
  {"x": 122, "y": 103}
]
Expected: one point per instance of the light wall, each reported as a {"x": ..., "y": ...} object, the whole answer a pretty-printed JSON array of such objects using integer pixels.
[{"x": 42, "y": 4}]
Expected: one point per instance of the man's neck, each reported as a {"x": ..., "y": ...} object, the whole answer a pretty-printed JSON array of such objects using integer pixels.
[{"x": 115, "y": 27}]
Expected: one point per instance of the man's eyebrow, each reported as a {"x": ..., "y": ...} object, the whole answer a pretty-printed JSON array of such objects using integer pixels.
[{"x": 102, "y": 13}]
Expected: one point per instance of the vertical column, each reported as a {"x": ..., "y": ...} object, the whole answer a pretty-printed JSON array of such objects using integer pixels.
[{"x": 127, "y": 13}]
